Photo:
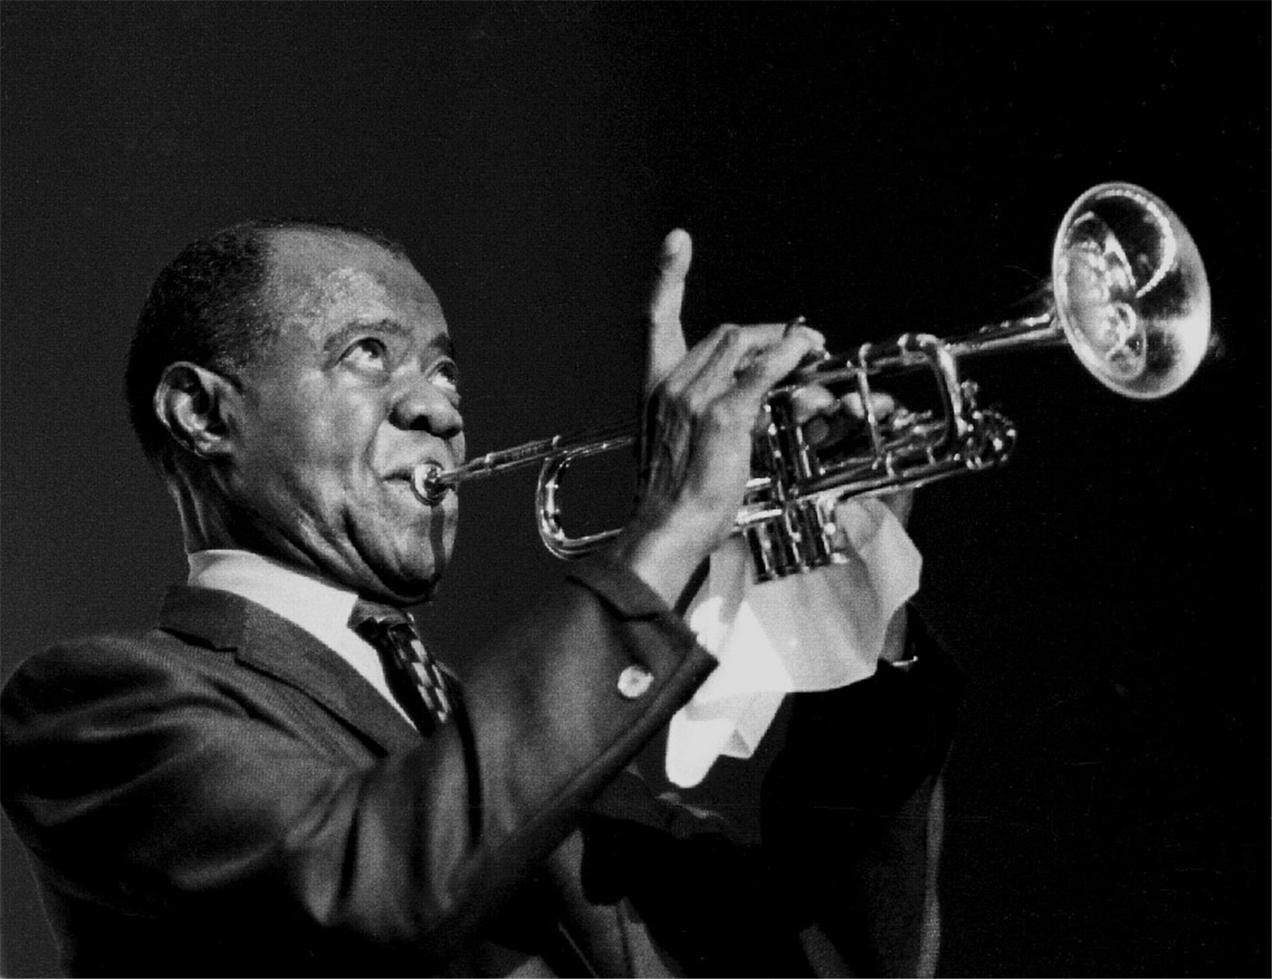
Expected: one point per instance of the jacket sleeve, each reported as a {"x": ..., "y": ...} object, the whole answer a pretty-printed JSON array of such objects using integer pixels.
[
  {"x": 853, "y": 813},
  {"x": 146, "y": 777},
  {"x": 843, "y": 882}
]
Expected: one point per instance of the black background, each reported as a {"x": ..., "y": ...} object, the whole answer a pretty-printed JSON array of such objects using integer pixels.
[{"x": 875, "y": 167}]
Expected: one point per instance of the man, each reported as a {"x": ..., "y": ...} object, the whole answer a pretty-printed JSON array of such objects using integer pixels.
[{"x": 254, "y": 788}]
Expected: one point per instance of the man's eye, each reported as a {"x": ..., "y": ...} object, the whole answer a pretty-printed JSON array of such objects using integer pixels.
[
  {"x": 446, "y": 374},
  {"x": 367, "y": 352}
]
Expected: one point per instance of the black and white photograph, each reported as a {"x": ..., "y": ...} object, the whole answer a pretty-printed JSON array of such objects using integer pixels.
[{"x": 635, "y": 489}]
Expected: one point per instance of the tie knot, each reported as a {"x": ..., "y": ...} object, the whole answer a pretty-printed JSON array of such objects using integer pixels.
[{"x": 374, "y": 618}]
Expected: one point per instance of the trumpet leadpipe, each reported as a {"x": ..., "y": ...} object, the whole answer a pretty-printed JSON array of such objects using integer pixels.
[{"x": 431, "y": 482}]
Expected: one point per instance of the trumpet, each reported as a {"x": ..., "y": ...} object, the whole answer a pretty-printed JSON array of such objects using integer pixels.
[{"x": 1127, "y": 293}]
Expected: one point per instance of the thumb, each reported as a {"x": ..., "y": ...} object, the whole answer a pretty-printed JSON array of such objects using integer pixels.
[{"x": 666, "y": 341}]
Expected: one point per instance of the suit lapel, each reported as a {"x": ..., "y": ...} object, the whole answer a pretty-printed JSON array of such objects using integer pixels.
[{"x": 277, "y": 647}]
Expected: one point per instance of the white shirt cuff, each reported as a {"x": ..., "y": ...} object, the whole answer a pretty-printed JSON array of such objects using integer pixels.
[{"x": 806, "y": 632}]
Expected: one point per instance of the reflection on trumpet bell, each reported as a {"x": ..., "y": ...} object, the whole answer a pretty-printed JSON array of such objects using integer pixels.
[{"x": 1128, "y": 292}]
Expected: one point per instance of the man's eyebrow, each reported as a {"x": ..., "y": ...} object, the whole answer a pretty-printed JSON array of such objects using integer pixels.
[{"x": 442, "y": 344}]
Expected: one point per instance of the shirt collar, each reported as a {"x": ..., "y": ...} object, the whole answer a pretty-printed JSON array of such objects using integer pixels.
[{"x": 318, "y": 607}]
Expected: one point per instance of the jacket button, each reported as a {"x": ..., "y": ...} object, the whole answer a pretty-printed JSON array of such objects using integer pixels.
[{"x": 634, "y": 681}]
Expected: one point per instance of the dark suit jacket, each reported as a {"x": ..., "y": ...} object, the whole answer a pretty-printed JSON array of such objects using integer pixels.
[{"x": 225, "y": 796}]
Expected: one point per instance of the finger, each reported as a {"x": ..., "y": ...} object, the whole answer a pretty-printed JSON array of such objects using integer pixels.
[
  {"x": 815, "y": 411},
  {"x": 812, "y": 400},
  {"x": 881, "y": 404},
  {"x": 900, "y": 503},
  {"x": 706, "y": 355},
  {"x": 776, "y": 362},
  {"x": 665, "y": 343},
  {"x": 715, "y": 361}
]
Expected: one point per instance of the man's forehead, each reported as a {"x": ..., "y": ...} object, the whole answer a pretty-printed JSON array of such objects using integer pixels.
[{"x": 315, "y": 271}]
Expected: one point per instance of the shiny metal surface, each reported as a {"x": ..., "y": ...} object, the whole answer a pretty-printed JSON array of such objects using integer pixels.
[{"x": 1128, "y": 293}]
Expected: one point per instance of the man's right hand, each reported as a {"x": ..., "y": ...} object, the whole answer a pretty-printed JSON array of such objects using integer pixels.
[{"x": 701, "y": 407}]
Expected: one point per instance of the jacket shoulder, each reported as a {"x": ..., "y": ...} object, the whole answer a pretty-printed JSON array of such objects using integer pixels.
[{"x": 100, "y": 667}]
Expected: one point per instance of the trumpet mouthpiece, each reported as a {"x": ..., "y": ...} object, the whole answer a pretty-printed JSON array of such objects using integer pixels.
[{"x": 426, "y": 485}]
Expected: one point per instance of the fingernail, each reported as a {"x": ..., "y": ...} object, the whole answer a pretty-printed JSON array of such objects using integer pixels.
[
  {"x": 671, "y": 247},
  {"x": 793, "y": 325},
  {"x": 800, "y": 323}
]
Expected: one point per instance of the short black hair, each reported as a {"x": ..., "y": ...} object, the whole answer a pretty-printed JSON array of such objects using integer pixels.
[{"x": 209, "y": 306}]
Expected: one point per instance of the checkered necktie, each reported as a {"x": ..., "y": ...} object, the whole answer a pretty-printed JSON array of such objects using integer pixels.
[{"x": 413, "y": 675}]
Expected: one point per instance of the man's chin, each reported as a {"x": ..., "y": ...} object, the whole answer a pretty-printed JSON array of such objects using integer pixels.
[
  {"x": 399, "y": 567},
  {"x": 406, "y": 586},
  {"x": 412, "y": 575}
]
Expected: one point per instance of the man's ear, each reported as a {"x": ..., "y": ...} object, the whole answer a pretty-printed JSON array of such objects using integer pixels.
[{"x": 197, "y": 406}]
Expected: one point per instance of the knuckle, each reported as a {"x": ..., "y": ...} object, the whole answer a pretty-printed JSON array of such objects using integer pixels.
[
  {"x": 696, "y": 403},
  {"x": 726, "y": 334},
  {"x": 668, "y": 389},
  {"x": 719, "y": 414},
  {"x": 675, "y": 404},
  {"x": 815, "y": 337}
]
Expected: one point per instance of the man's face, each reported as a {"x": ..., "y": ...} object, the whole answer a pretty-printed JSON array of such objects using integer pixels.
[{"x": 358, "y": 388}]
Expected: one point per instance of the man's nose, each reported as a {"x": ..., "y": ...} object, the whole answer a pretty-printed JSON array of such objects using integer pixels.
[{"x": 423, "y": 406}]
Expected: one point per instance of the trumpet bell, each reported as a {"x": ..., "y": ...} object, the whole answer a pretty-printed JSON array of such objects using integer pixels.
[{"x": 1130, "y": 291}]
